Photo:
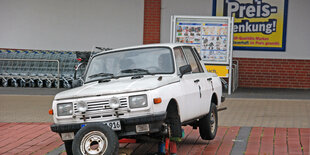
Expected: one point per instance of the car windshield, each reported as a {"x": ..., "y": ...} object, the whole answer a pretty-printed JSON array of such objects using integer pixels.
[{"x": 141, "y": 61}]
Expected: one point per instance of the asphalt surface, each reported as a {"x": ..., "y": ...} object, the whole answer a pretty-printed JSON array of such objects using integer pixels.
[
  {"x": 30, "y": 91},
  {"x": 270, "y": 93},
  {"x": 25, "y": 108},
  {"x": 263, "y": 93},
  {"x": 252, "y": 109},
  {"x": 269, "y": 110}
]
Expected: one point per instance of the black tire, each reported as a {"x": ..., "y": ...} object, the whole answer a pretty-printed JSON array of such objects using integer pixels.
[
  {"x": 175, "y": 126},
  {"x": 68, "y": 146},
  {"x": 173, "y": 121},
  {"x": 208, "y": 124},
  {"x": 96, "y": 134}
]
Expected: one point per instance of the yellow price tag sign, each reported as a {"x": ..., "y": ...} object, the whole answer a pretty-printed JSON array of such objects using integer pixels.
[{"x": 221, "y": 71}]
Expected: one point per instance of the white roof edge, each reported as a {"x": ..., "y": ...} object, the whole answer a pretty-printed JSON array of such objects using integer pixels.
[{"x": 171, "y": 45}]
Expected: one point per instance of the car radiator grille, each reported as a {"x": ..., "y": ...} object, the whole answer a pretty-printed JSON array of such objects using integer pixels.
[{"x": 102, "y": 108}]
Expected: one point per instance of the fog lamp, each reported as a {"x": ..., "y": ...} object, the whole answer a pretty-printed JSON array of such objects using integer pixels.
[
  {"x": 81, "y": 106},
  {"x": 114, "y": 103}
]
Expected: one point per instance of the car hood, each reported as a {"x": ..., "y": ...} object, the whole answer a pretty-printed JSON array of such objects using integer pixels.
[{"x": 117, "y": 86}]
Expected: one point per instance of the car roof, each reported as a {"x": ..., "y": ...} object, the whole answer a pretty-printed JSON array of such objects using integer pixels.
[{"x": 170, "y": 45}]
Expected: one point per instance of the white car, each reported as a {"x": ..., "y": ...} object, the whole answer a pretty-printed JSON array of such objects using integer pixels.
[{"x": 150, "y": 90}]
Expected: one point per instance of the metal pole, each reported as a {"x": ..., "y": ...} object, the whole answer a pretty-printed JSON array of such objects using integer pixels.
[
  {"x": 58, "y": 74},
  {"x": 230, "y": 54},
  {"x": 172, "y": 29}
]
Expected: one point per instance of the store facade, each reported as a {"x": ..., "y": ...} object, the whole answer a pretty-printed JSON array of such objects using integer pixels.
[
  {"x": 289, "y": 68},
  {"x": 79, "y": 25}
]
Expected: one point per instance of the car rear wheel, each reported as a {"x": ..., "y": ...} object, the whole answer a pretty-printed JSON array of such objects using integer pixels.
[
  {"x": 208, "y": 124},
  {"x": 95, "y": 139}
]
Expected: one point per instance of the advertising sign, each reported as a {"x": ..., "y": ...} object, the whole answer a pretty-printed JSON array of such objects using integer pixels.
[
  {"x": 259, "y": 24},
  {"x": 210, "y": 35},
  {"x": 221, "y": 71}
]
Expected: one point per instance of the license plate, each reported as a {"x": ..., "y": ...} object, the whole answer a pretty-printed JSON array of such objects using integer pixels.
[
  {"x": 67, "y": 136},
  {"x": 114, "y": 125},
  {"x": 142, "y": 128}
]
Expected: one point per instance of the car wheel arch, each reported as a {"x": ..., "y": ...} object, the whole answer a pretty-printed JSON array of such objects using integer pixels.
[
  {"x": 214, "y": 99},
  {"x": 173, "y": 104}
]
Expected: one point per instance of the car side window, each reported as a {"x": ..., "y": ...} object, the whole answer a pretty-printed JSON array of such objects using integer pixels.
[
  {"x": 196, "y": 53},
  {"x": 198, "y": 59},
  {"x": 179, "y": 58},
  {"x": 196, "y": 68}
]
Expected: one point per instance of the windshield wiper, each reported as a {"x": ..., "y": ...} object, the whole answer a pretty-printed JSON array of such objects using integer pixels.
[
  {"x": 101, "y": 75},
  {"x": 136, "y": 70}
]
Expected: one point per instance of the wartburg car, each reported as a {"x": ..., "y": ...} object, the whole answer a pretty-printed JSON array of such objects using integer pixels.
[{"x": 143, "y": 91}]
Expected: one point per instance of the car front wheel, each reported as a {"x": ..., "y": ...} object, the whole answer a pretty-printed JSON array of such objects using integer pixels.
[
  {"x": 208, "y": 124},
  {"x": 95, "y": 139}
]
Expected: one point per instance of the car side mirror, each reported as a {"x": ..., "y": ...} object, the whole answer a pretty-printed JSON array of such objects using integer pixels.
[
  {"x": 76, "y": 68},
  {"x": 77, "y": 82},
  {"x": 185, "y": 69}
]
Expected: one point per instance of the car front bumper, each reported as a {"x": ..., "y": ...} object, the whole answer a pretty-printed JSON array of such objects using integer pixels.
[{"x": 128, "y": 128}]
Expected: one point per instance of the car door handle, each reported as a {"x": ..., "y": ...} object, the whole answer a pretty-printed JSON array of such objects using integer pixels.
[
  {"x": 209, "y": 79},
  {"x": 196, "y": 81}
]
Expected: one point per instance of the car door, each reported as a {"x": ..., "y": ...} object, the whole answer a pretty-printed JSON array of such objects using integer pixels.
[
  {"x": 189, "y": 96},
  {"x": 203, "y": 82}
]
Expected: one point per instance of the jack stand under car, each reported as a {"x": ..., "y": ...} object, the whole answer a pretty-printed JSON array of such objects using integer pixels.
[{"x": 168, "y": 146}]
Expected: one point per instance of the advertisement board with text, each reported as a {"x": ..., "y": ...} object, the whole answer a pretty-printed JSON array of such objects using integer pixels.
[
  {"x": 258, "y": 24},
  {"x": 210, "y": 35}
]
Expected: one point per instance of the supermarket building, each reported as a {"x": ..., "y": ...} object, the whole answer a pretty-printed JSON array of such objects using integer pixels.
[{"x": 79, "y": 25}]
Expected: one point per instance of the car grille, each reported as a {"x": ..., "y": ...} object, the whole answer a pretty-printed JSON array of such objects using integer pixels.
[{"x": 102, "y": 107}]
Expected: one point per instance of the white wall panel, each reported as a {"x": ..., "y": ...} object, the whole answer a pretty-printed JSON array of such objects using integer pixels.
[
  {"x": 70, "y": 24},
  {"x": 181, "y": 7}
]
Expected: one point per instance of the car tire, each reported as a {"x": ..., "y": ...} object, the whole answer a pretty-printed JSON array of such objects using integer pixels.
[
  {"x": 208, "y": 124},
  {"x": 173, "y": 121},
  {"x": 68, "y": 146},
  {"x": 95, "y": 139},
  {"x": 175, "y": 127}
]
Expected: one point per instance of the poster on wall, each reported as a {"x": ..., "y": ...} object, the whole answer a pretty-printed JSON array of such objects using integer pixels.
[
  {"x": 210, "y": 36},
  {"x": 258, "y": 24}
]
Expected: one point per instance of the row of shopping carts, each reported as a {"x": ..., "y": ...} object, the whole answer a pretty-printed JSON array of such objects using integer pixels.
[{"x": 37, "y": 68}]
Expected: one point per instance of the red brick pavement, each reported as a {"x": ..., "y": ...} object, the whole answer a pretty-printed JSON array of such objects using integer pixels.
[
  {"x": 37, "y": 139},
  {"x": 263, "y": 141},
  {"x": 27, "y": 138}
]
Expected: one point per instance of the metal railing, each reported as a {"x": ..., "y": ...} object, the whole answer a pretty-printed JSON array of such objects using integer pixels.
[
  {"x": 32, "y": 60},
  {"x": 235, "y": 75}
]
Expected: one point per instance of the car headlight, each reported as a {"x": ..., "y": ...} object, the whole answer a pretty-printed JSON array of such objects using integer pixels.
[
  {"x": 64, "y": 109},
  {"x": 81, "y": 106},
  {"x": 139, "y": 101}
]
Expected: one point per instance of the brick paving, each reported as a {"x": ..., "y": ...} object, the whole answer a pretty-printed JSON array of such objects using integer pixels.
[
  {"x": 37, "y": 139},
  {"x": 262, "y": 140},
  {"x": 27, "y": 138},
  {"x": 277, "y": 127}
]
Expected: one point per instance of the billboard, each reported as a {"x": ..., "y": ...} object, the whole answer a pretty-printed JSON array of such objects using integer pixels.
[
  {"x": 259, "y": 24},
  {"x": 210, "y": 35}
]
